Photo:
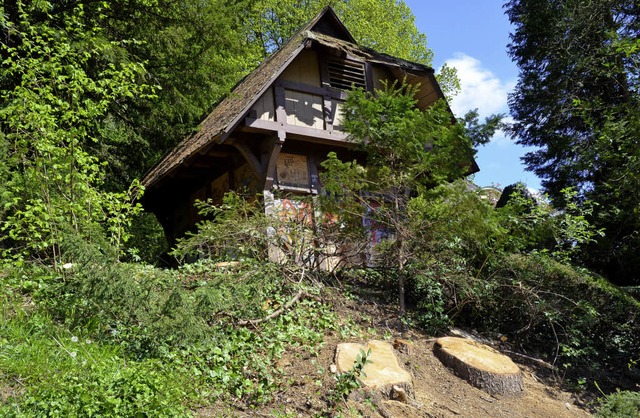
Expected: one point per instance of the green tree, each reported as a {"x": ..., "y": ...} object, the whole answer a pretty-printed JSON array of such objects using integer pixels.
[
  {"x": 193, "y": 51},
  {"x": 407, "y": 152},
  {"x": 47, "y": 119},
  {"x": 576, "y": 100}
]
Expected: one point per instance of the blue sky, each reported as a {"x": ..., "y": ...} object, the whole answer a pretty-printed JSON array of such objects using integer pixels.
[{"x": 472, "y": 35}]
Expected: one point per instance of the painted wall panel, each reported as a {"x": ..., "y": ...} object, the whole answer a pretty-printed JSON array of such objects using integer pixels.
[{"x": 304, "y": 109}]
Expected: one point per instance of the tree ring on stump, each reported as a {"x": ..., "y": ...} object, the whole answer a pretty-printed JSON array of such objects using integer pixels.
[{"x": 480, "y": 365}]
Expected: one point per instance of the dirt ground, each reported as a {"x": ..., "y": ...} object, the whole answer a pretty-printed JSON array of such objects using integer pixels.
[{"x": 308, "y": 381}]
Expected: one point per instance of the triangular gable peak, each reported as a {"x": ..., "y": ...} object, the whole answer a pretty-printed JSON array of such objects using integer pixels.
[
  {"x": 328, "y": 23},
  {"x": 277, "y": 125}
]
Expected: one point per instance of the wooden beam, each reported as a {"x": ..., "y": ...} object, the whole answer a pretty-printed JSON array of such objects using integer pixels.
[
  {"x": 327, "y": 112},
  {"x": 318, "y": 91},
  {"x": 270, "y": 169},
  {"x": 249, "y": 156},
  {"x": 313, "y": 135}
]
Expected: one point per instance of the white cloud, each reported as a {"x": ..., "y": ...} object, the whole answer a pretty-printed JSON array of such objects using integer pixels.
[
  {"x": 536, "y": 193},
  {"x": 480, "y": 88},
  {"x": 501, "y": 138}
]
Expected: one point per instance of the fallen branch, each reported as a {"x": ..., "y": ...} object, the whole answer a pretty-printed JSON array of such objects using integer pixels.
[
  {"x": 275, "y": 313},
  {"x": 533, "y": 359}
]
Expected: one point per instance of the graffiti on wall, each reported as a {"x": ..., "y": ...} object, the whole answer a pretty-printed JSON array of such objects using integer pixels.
[{"x": 292, "y": 170}]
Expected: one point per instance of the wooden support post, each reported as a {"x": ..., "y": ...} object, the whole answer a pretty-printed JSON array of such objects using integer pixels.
[
  {"x": 250, "y": 157},
  {"x": 270, "y": 169},
  {"x": 269, "y": 200}
]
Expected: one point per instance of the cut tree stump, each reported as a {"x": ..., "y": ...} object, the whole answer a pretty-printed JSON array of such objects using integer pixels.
[
  {"x": 480, "y": 365},
  {"x": 383, "y": 374}
]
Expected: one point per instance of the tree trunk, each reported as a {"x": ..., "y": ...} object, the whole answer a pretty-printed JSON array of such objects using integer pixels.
[
  {"x": 400, "y": 242},
  {"x": 480, "y": 365}
]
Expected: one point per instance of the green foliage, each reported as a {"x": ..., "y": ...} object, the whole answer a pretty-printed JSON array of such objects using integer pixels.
[
  {"x": 506, "y": 271},
  {"x": 460, "y": 222},
  {"x": 453, "y": 251},
  {"x": 239, "y": 229},
  {"x": 349, "y": 381},
  {"x": 178, "y": 332},
  {"x": 426, "y": 289},
  {"x": 274, "y": 22},
  {"x": 87, "y": 334},
  {"x": 238, "y": 362},
  {"x": 194, "y": 51},
  {"x": 139, "y": 389},
  {"x": 147, "y": 243},
  {"x": 572, "y": 316},
  {"x": 240, "y": 291},
  {"x": 407, "y": 152},
  {"x": 235, "y": 229},
  {"x": 48, "y": 117},
  {"x": 576, "y": 102},
  {"x": 622, "y": 404},
  {"x": 145, "y": 309},
  {"x": 535, "y": 225},
  {"x": 408, "y": 145},
  {"x": 63, "y": 374},
  {"x": 481, "y": 133},
  {"x": 367, "y": 19}
]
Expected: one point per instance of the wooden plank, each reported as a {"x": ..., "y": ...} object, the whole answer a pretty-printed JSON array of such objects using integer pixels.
[
  {"x": 270, "y": 170},
  {"x": 304, "y": 69},
  {"x": 380, "y": 75},
  {"x": 303, "y": 109},
  {"x": 293, "y": 170},
  {"x": 314, "y": 135},
  {"x": 281, "y": 113},
  {"x": 428, "y": 100},
  {"x": 240, "y": 115},
  {"x": 320, "y": 91},
  {"x": 264, "y": 107},
  {"x": 328, "y": 112},
  {"x": 368, "y": 76},
  {"x": 336, "y": 116}
]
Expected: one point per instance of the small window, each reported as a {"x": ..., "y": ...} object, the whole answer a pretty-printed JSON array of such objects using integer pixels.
[{"x": 344, "y": 74}]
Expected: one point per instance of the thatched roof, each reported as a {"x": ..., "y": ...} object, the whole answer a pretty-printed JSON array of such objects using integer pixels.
[{"x": 325, "y": 29}]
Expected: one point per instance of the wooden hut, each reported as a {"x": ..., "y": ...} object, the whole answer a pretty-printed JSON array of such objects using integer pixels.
[{"x": 278, "y": 124}]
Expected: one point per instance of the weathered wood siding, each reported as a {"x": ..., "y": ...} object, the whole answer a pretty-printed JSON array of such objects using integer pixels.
[
  {"x": 380, "y": 75},
  {"x": 304, "y": 109},
  {"x": 337, "y": 116},
  {"x": 304, "y": 69},
  {"x": 265, "y": 107}
]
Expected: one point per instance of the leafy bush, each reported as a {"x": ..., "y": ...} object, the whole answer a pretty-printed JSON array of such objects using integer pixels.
[
  {"x": 622, "y": 404},
  {"x": 144, "y": 307},
  {"x": 62, "y": 374},
  {"x": 148, "y": 243},
  {"x": 240, "y": 362},
  {"x": 427, "y": 292},
  {"x": 50, "y": 112},
  {"x": 349, "y": 381},
  {"x": 105, "y": 390},
  {"x": 567, "y": 314},
  {"x": 150, "y": 327},
  {"x": 535, "y": 225}
]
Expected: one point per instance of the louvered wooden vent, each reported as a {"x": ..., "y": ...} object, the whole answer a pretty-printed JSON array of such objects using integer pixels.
[{"x": 344, "y": 74}]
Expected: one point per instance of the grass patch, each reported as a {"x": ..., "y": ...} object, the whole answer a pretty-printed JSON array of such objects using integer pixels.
[{"x": 79, "y": 354}]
